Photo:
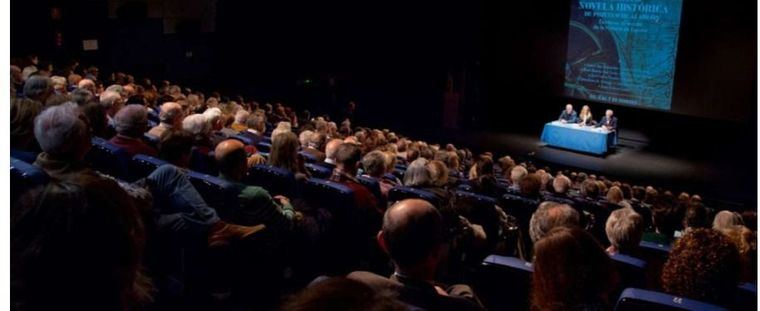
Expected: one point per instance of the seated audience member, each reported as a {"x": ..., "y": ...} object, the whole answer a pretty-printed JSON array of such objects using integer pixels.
[
  {"x": 726, "y": 219},
  {"x": 550, "y": 215},
  {"x": 665, "y": 221},
  {"x": 624, "y": 229},
  {"x": 112, "y": 102},
  {"x": 175, "y": 147},
  {"x": 615, "y": 196},
  {"x": 304, "y": 137},
  {"x": 130, "y": 124},
  {"x": 315, "y": 145},
  {"x": 413, "y": 236},
  {"x": 571, "y": 271},
  {"x": 256, "y": 127},
  {"x": 695, "y": 217},
  {"x": 374, "y": 167},
  {"x": 530, "y": 186},
  {"x": 517, "y": 174},
  {"x": 23, "y": 144},
  {"x": 256, "y": 206},
  {"x": 240, "y": 119},
  {"x": 506, "y": 164},
  {"x": 76, "y": 246},
  {"x": 337, "y": 293},
  {"x": 417, "y": 174},
  {"x": 284, "y": 154},
  {"x": 347, "y": 160},
  {"x": 198, "y": 126},
  {"x": 561, "y": 185},
  {"x": 38, "y": 88},
  {"x": 485, "y": 182},
  {"x": 703, "y": 265},
  {"x": 89, "y": 85},
  {"x": 98, "y": 119},
  {"x": 171, "y": 119},
  {"x": 330, "y": 150},
  {"x": 746, "y": 243},
  {"x": 282, "y": 127}
]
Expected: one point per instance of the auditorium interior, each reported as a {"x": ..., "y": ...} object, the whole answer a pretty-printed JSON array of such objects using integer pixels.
[{"x": 394, "y": 155}]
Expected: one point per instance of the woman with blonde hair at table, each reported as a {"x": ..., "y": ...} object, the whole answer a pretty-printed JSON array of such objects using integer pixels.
[{"x": 585, "y": 117}]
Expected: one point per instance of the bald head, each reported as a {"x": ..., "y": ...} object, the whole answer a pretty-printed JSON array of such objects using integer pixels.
[
  {"x": 332, "y": 148},
  {"x": 412, "y": 232},
  {"x": 231, "y": 158}
]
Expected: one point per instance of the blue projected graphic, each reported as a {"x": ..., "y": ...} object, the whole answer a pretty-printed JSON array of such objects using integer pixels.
[{"x": 623, "y": 51}]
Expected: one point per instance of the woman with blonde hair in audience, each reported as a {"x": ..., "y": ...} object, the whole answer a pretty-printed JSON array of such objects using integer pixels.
[
  {"x": 726, "y": 219},
  {"x": 284, "y": 154},
  {"x": 746, "y": 243}
]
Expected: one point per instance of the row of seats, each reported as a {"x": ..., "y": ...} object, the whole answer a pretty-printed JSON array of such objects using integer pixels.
[{"x": 497, "y": 294}]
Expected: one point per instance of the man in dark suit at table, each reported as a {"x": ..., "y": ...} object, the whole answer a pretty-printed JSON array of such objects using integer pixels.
[
  {"x": 608, "y": 121},
  {"x": 568, "y": 115}
]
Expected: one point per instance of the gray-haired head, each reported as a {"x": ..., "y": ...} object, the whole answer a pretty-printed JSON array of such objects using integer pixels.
[
  {"x": 81, "y": 96},
  {"x": 374, "y": 163},
  {"x": 118, "y": 89},
  {"x": 171, "y": 113},
  {"x": 196, "y": 124},
  {"x": 550, "y": 215},
  {"x": 624, "y": 229},
  {"x": 131, "y": 121},
  {"x": 109, "y": 99},
  {"x": 727, "y": 219},
  {"x": 61, "y": 131},
  {"x": 418, "y": 174},
  {"x": 240, "y": 116},
  {"x": 38, "y": 87}
]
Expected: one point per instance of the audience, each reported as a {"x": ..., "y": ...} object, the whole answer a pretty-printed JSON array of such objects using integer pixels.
[
  {"x": 339, "y": 293},
  {"x": 726, "y": 219},
  {"x": 130, "y": 124},
  {"x": 284, "y": 154},
  {"x": 171, "y": 119},
  {"x": 550, "y": 215},
  {"x": 624, "y": 230}
]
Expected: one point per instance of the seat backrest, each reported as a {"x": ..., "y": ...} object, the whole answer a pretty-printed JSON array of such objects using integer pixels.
[
  {"x": 308, "y": 157},
  {"x": 109, "y": 159},
  {"x": 218, "y": 193},
  {"x": 403, "y": 192},
  {"x": 632, "y": 271},
  {"x": 278, "y": 181},
  {"x": 656, "y": 249},
  {"x": 153, "y": 116},
  {"x": 263, "y": 146},
  {"x": 399, "y": 173},
  {"x": 202, "y": 162},
  {"x": 373, "y": 185},
  {"x": 503, "y": 283},
  {"x": 318, "y": 171},
  {"x": 142, "y": 165},
  {"x": 244, "y": 139},
  {"x": 639, "y": 299},
  {"x": 746, "y": 297},
  {"x": 25, "y": 176},
  {"x": 151, "y": 140},
  {"x": 480, "y": 209},
  {"x": 23, "y": 155},
  {"x": 332, "y": 196}
]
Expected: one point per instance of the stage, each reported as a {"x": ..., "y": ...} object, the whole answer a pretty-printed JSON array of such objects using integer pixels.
[{"x": 716, "y": 176}]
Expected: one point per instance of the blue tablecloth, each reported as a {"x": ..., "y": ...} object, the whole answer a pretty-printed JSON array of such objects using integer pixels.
[{"x": 575, "y": 137}]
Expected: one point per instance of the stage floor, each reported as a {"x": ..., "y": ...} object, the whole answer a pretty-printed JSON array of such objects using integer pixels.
[{"x": 714, "y": 175}]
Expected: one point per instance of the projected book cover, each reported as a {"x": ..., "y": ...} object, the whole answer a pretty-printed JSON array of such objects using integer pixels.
[{"x": 623, "y": 51}]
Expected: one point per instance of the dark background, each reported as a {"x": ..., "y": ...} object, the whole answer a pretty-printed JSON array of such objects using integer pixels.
[{"x": 393, "y": 57}]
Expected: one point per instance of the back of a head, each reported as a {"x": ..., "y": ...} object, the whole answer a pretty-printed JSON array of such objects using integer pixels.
[
  {"x": 339, "y": 293},
  {"x": 197, "y": 125},
  {"x": 60, "y": 131},
  {"x": 317, "y": 141},
  {"x": 110, "y": 98},
  {"x": 256, "y": 122},
  {"x": 38, "y": 87},
  {"x": 81, "y": 96},
  {"x": 726, "y": 219},
  {"x": 530, "y": 185},
  {"x": 704, "y": 265},
  {"x": 412, "y": 232},
  {"x": 561, "y": 184},
  {"x": 571, "y": 271},
  {"x": 417, "y": 174},
  {"x": 374, "y": 163},
  {"x": 23, "y": 112},
  {"x": 304, "y": 137},
  {"x": 624, "y": 229},
  {"x": 518, "y": 172},
  {"x": 170, "y": 112},
  {"x": 230, "y": 157},
  {"x": 439, "y": 173},
  {"x": 348, "y": 155},
  {"x": 550, "y": 215},
  {"x": 332, "y": 148},
  {"x": 615, "y": 195},
  {"x": 590, "y": 189},
  {"x": 131, "y": 121},
  {"x": 696, "y": 217},
  {"x": 74, "y": 247},
  {"x": 175, "y": 145}
]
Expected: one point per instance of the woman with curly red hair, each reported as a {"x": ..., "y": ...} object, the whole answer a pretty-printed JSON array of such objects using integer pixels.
[{"x": 703, "y": 265}]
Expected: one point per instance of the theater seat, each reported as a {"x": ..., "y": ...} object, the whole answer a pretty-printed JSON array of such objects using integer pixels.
[
  {"x": 503, "y": 283},
  {"x": 153, "y": 116},
  {"x": 632, "y": 271},
  {"x": 278, "y": 181},
  {"x": 23, "y": 155},
  {"x": 634, "y": 299},
  {"x": 403, "y": 192},
  {"x": 334, "y": 197},
  {"x": 308, "y": 157},
  {"x": 151, "y": 140},
  {"x": 746, "y": 298},
  {"x": 143, "y": 165},
  {"x": 218, "y": 193},
  {"x": 203, "y": 162},
  {"x": 318, "y": 171},
  {"x": 480, "y": 209},
  {"x": 264, "y": 146},
  {"x": 244, "y": 139},
  {"x": 373, "y": 185},
  {"x": 109, "y": 159},
  {"x": 25, "y": 176}
]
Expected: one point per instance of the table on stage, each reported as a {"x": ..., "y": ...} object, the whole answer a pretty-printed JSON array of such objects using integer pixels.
[{"x": 594, "y": 140}]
